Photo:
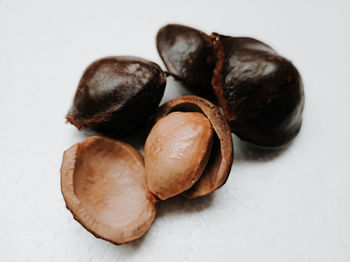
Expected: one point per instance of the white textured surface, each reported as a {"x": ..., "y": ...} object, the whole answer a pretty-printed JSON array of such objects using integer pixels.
[{"x": 292, "y": 206}]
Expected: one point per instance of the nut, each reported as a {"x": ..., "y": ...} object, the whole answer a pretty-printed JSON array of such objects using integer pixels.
[
  {"x": 104, "y": 185},
  {"x": 117, "y": 95},
  {"x": 261, "y": 92},
  {"x": 189, "y": 57},
  {"x": 179, "y": 145},
  {"x": 176, "y": 152},
  {"x": 104, "y": 181}
]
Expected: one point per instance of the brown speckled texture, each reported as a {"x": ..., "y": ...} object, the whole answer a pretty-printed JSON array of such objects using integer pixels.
[
  {"x": 220, "y": 161},
  {"x": 176, "y": 152}
]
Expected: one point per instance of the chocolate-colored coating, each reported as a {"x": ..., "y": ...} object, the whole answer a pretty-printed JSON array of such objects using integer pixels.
[
  {"x": 261, "y": 93},
  {"x": 117, "y": 94},
  {"x": 188, "y": 55}
]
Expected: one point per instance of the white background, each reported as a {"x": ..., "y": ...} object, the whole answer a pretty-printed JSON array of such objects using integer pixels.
[{"x": 292, "y": 205}]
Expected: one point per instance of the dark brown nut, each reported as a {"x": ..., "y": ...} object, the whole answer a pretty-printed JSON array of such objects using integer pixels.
[
  {"x": 188, "y": 55},
  {"x": 210, "y": 174},
  {"x": 117, "y": 95},
  {"x": 103, "y": 183},
  {"x": 176, "y": 152},
  {"x": 261, "y": 93}
]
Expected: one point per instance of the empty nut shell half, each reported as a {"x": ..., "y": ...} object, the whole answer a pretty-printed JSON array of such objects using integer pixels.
[
  {"x": 117, "y": 95},
  {"x": 104, "y": 185},
  {"x": 220, "y": 160}
]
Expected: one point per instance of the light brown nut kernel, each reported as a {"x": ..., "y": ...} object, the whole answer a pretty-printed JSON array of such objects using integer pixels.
[
  {"x": 176, "y": 152},
  {"x": 220, "y": 161},
  {"x": 104, "y": 185}
]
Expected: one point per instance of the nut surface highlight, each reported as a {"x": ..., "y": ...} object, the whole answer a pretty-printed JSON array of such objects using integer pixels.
[
  {"x": 104, "y": 185},
  {"x": 176, "y": 152}
]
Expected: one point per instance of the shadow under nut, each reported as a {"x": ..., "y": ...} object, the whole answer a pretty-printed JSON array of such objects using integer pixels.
[
  {"x": 220, "y": 161},
  {"x": 176, "y": 152}
]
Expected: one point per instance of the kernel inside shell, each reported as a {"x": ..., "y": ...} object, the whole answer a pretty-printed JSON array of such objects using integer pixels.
[
  {"x": 176, "y": 152},
  {"x": 220, "y": 160}
]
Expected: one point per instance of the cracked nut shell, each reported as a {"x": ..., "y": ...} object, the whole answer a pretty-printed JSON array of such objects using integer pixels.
[
  {"x": 218, "y": 166},
  {"x": 117, "y": 95},
  {"x": 188, "y": 55},
  {"x": 176, "y": 152},
  {"x": 261, "y": 93},
  {"x": 104, "y": 185}
]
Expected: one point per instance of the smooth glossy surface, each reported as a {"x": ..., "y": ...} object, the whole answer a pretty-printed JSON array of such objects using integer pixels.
[
  {"x": 292, "y": 208},
  {"x": 188, "y": 55},
  {"x": 261, "y": 93},
  {"x": 176, "y": 152},
  {"x": 117, "y": 94},
  {"x": 104, "y": 185}
]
